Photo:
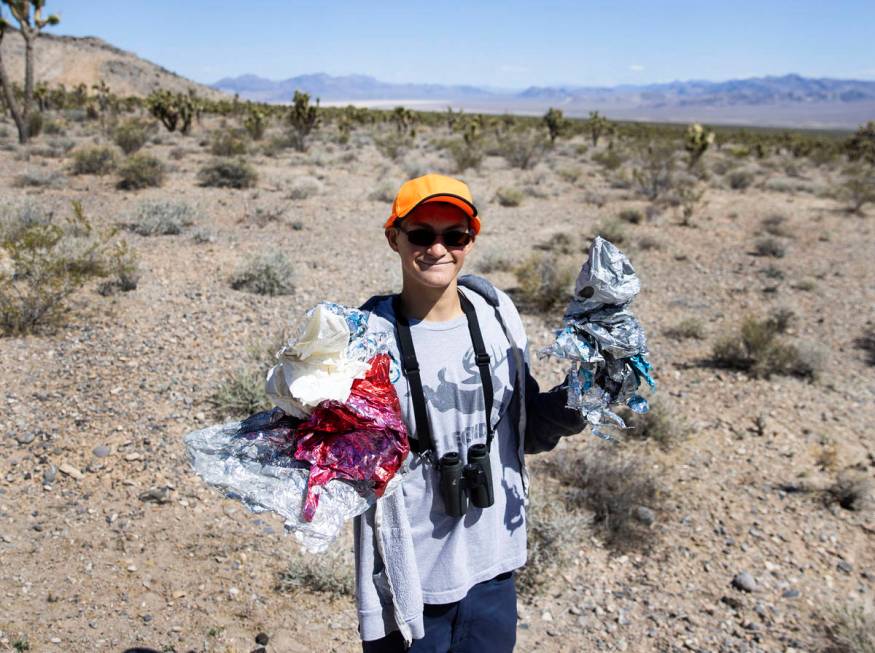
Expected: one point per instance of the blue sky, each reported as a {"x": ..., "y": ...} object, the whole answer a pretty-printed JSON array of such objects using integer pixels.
[{"x": 508, "y": 44}]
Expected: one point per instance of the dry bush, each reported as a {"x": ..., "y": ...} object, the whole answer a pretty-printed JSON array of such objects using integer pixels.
[
  {"x": 661, "y": 424},
  {"x": 850, "y": 629},
  {"x": 509, "y": 196},
  {"x": 394, "y": 144},
  {"x": 228, "y": 143},
  {"x": 465, "y": 153},
  {"x": 97, "y": 160},
  {"x": 161, "y": 218},
  {"x": 769, "y": 246},
  {"x": 40, "y": 179},
  {"x": 140, "y": 171},
  {"x": 553, "y": 533},
  {"x": 609, "y": 159},
  {"x": 570, "y": 174},
  {"x": 758, "y": 349},
  {"x": 851, "y": 491},
  {"x": 325, "y": 573},
  {"x": 687, "y": 329},
  {"x": 620, "y": 492},
  {"x": 612, "y": 230},
  {"x": 775, "y": 224},
  {"x": 43, "y": 261},
  {"x": 739, "y": 179},
  {"x": 304, "y": 187},
  {"x": 866, "y": 342},
  {"x": 227, "y": 173},
  {"x": 654, "y": 169},
  {"x": 523, "y": 148},
  {"x": 130, "y": 136},
  {"x": 384, "y": 192},
  {"x": 857, "y": 187},
  {"x": 240, "y": 394},
  {"x": 632, "y": 216},
  {"x": 647, "y": 243},
  {"x": 124, "y": 271},
  {"x": 544, "y": 282},
  {"x": 264, "y": 275},
  {"x": 495, "y": 263}
]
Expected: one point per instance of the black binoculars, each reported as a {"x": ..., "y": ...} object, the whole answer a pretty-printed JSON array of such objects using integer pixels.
[{"x": 460, "y": 482}]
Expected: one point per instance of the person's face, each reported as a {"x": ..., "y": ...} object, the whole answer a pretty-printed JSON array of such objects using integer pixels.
[{"x": 435, "y": 265}]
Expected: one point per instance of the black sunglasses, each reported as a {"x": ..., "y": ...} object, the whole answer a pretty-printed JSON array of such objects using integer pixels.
[{"x": 422, "y": 237}]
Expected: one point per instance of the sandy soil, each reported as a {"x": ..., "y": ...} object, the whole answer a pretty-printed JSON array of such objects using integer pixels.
[{"x": 85, "y": 565}]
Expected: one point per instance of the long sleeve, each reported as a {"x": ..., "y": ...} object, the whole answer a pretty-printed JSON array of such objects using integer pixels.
[{"x": 547, "y": 417}]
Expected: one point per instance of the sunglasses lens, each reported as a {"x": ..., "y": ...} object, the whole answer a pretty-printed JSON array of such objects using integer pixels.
[
  {"x": 426, "y": 237},
  {"x": 421, "y": 237},
  {"x": 456, "y": 238}
]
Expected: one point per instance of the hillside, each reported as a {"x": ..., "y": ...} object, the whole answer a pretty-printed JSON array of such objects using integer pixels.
[{"x": 72, "y": 60}]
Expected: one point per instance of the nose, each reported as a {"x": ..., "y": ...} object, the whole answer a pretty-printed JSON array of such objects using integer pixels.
[{"x": 437, "y": 249}]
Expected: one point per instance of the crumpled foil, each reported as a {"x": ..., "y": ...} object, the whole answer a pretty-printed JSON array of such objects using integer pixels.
[
  {"x": 604, "y": 342},
  {"x": 251, "y": 461},
  {"x": 339, "y": 456}
]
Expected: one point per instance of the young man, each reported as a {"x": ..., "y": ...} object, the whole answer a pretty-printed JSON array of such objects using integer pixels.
[{"x": 435, "y": 560}]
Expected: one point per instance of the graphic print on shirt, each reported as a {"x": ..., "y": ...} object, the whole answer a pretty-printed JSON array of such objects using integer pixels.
[{"x": 467, "y": 395}]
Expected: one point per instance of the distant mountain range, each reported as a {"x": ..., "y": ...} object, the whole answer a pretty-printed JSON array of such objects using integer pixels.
[{"x": 790, "y": 100}]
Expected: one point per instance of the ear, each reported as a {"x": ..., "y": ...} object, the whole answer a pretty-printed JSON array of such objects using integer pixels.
[{"x": 392, "y": 238}]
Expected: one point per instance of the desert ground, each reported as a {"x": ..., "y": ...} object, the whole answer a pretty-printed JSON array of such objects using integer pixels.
[{"x": 109, "y": 541}]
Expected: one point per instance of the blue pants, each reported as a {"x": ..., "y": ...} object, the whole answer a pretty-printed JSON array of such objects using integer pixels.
[{"x": 482, "y": 622}]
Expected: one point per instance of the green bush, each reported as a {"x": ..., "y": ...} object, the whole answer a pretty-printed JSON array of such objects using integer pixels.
[
  {"x": 265, "y": 275},
  {"x": 612, "y": 230},
  {"x": 227, "y": 143},
  {"x": 240, "y": 394},
  {"x": 228, "y": 173},
  {"x": 130, "y": 136},
  {"x": 509, "y": 196},
  {"x": 394, "y": 145},
  {"x": 465, "y": 154},
  {"x": 686, "y": 329},
  {"x": 161, "y": 218},
  {"x": 326, "y": 573},
  {"x": 654, "y": 169},
  {"x": 140, "y": 171},
  {"x": 610, "y": 159},
  {"x": 43, "y": 261},
  {"x": 124, "y": 271},
  {"x": 97, "y": 160},
  {"x": 857, "y": 187}
]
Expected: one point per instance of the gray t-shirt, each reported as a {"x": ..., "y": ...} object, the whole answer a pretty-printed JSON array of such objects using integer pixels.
[{"x": 455, "y": 553}]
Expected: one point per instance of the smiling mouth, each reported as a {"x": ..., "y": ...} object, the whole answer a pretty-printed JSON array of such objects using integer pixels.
[{"x": 432, "y": 264}]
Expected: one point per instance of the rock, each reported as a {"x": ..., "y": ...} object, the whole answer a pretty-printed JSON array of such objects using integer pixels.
[
  {"x": 645, "y": 515},
  {"x": 101, "y": 451},
  {"x": 844, "y": 566},
  {"x": 732, "y": 602},
  {"x": 50, "y": 474},
  {"x": 791, "y": 594},
  {"x": 25, "y": 438},
  {"x": 262, "y": 639},
  {"x": 132, "y": 456},
  {"x": 70, "y": 471},
  {"x": 745, "y": 582},
  {"x": 156, "y": 495},
  {"x": 546, "y": 616},
  {"x": 147, "y": 618},
  {"x": 623, "y": 617}
]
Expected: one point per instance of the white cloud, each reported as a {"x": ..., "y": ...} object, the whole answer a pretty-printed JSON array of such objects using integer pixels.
[{"x": 636, "y": 68}]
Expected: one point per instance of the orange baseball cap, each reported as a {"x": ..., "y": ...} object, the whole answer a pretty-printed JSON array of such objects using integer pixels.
[{"x": 433, "y": 188}]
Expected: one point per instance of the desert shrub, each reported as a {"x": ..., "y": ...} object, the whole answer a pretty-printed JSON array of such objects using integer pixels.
[
  {"x": 203, "y": 235},
  {"x": 53, "y": 128},
  {"x": 612, "y": 230},
  {"x": 610, "y": 159},
  {"x": 647, "y": 243},
  {"x": 177, "y": 153},
  {"x": 161, "y": 218},
  {"x": 739, "y": 179},
  {"x": 228, "y": 173},
  {"x": 130, "y": 136},
  {"x": 40, "y": 179},
  {"x": 632, "y": 216},
  {"x": 394, "y": 144},
  {"x": 552, "y": 532},
  {"x": 654, "y": 169},
  {"x": 264, "y": 275},
  {"x": 523, "y": 148},
  {"x": 849, "y": 629},
  {"x": 4, "y": 132},
  {"x": 661, "y": 424},
  {"x": 140, "y": 171},
  {"x": 616, "y": 488},
  {"x": 227, "y": 143},
  {"x": 465, "y": 154},
  {"x": 240, "y": 394},
  {"x": 559, "y": 243},
  {"x": 758, "y": 349},
  {"x": 304, "y": 187},
  {"x": 769, "y": 247},
  {"x": 509, "y": 196},
  {"x": 775, "y": 225},
  {"x": 383, "y": 192},
  {"x": 851, "y": 491},
  {"x": 857, "y": 187},
  {"x": 687, "y": 194},
  {"x": 543, "y": 282},
  {"x": 326, "y": 573},
  {"x": 97, "y": 160},
  {"x": 34, "y": 124},
  {"x": 571, "y": 174},
  {"x": 124, "y": 271},
  {"x": 43, "y": 261},
  {"x": 495, "y": 263},
  {"x": 861, "y": 146},
  {"x": 686, "y": 329},
  {"x": 302, "y": 119},
  {"x": 866, "y": 342}
]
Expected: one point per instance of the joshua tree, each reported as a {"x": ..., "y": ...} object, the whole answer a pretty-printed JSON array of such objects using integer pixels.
[
  {"x": 28, "y": 14},
  {"x": 597, "y": 125},
  {"x": 555, "y": 123},
  {"x": 302, "y": 119},
  {"x": 697, "y": 142}
]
